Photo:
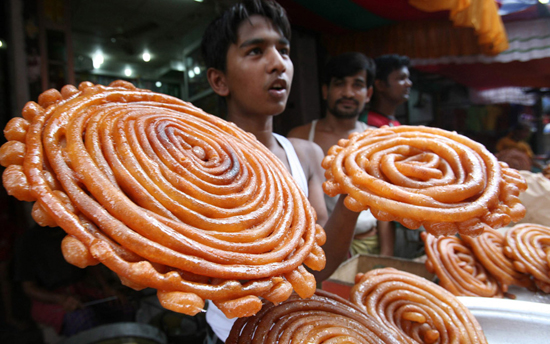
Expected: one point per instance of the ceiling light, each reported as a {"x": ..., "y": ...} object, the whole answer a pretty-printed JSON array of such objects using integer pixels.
[
  {"x": 158, "y": 84},
  {"x": 146, "y": 56},
  {"x": 127, "y": 71},
  {"x": 191, "y": 74},
  {"x": 544, "y": 1},
  {"x": 1, "y": 44},
  {"x": 199, "y": 0},
  {"x": 197, "y": 70},
  {"x": 98, "y": 59}
]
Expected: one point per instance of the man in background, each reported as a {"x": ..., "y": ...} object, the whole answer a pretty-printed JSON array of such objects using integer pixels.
[
  {"x": 347, "y": 88},
  {"x": 392, "y": 87}
]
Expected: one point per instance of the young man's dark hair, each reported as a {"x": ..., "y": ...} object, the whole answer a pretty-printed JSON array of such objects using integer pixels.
[
  {"x": 386, "y": 64},
  {"x": 348, "y": 64},
  {"x": 222, "y": 32}
]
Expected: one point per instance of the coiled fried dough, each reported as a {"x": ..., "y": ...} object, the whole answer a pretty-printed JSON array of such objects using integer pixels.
[
  {"x": 528, "y": 245},
  {"x": 165, "y": 195},
  {"x": 424, "y": 176},
  {"x": 415, "y": 309},
  {"x": 488, "y": 249},
  {"x": 457, "y": 268},
  {"x": 323, "y": 318}
]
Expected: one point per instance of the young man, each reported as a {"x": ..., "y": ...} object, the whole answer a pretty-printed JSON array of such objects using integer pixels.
[
  {"x": 347, "y": 88},
  {"x": 391, "y": 89},
  {"x": 247, "y": 54}
]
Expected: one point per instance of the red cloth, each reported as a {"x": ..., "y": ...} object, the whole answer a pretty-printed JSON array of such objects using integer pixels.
[{"x": 377, "y": 120}]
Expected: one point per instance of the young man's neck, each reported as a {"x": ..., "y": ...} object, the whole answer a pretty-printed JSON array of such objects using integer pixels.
[{"x": 260, "y": 126}]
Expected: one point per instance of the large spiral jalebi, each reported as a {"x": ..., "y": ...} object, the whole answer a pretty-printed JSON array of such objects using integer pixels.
[
  {"x": 424, "y": 176},
  {"x": 165, "y": 195}
]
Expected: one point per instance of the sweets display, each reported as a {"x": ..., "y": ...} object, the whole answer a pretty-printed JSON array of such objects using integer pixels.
[
  {"x": 165, "y": 195},
  {"x": 323, "y": 318},
  {"x": 415, "y": 309},
  {"x": 424, "y": 176},
  {"x": 457, "y": 267},
  {"x": 528, "y": 245},
  {"x": 488, "y": 249}
]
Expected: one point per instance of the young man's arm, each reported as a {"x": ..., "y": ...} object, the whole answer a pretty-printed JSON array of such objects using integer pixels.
[{"x": 340, "y": 227}]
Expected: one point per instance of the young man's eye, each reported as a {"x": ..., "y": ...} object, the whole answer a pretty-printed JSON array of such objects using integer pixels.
[
  {"x": 255, "y": 51},
  {"x": 284, "y": 51}
]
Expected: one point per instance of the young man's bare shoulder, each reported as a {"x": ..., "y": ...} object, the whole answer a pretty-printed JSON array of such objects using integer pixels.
[{"x": 301, "y": 132}]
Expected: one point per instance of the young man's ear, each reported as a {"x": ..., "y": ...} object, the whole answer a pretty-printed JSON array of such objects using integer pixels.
[
  {"x": 216, "y": 79},
  {"x": 379, "y": 85}
]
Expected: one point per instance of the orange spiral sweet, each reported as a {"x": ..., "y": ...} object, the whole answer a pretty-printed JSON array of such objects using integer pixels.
[
  {"x": 424, "y": 176},
  {"x": 488, "y": 249},
  {"x": 528, "y": 245},
  {"x": 323, "y": 318},
  {"x": 165, "y": 195},
  {"x": 457, "y": 268},
  {"x": 415, "y": 309}
]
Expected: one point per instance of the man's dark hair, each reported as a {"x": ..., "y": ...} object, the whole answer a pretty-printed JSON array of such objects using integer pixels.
[
  {"x": 222, "y": 32},
  {"x": 348, "y": 64},
  {"x": 386, "y": 64}
]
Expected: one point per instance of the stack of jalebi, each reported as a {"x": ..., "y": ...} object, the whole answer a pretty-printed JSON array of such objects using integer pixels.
[
  {"x": 415, "y": 309},
  {"x": 323, "y": 318},
  {"x": 165, "y": 195},
  {"x": 424, "y": 176},
  {"x": 457, "y": 268},
  {"x": 528, "y": 245},
  {"x": 488, "y": 249}
]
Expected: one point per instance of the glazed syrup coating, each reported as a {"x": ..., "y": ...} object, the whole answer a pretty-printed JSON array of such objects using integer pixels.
[
  {"x": 424, "y": 176},
  {"x": 457, "y": 268},
  {"x": 323, "y": 318},
  {"x": 165, "y": 195},
  {"x": 415, "y": 309}
]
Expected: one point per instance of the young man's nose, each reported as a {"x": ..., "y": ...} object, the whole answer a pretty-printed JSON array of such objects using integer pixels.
[{"x": 276, "y": 61}]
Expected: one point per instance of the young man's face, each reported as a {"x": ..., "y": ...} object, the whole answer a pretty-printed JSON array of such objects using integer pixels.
[
  {"x": 346, "y": 97},
  {"x": 398, "y": 86},
  {"x": 259, "y": 70}
]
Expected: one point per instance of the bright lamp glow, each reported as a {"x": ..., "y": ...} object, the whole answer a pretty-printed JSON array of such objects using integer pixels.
[
  {"x": 158, "y": 84},
  {"x": 146, "y": 56},
  {"x": 199, "y": 0},
  {"x": 98, "y": 59},
  {"x": 544, "y": 1},
  {"x": 127, "y": 71},
  {"x": 197, "y": 70},
  {"x": 1, "y": 44},
  {"x": 191, "y": 74}
]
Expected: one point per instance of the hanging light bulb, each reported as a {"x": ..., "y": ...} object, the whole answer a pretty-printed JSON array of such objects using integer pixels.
[
  {"x": 146, "y": 56},
  {"x": 127, "y": 71},
  {"x": 98, "y": 59}
]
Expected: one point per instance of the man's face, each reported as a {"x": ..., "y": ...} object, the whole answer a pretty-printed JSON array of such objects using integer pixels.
[
  {"x": 346, "y": 97},
  {"x": 259, "y": 70},
  {"x": 398, "y": 86}
]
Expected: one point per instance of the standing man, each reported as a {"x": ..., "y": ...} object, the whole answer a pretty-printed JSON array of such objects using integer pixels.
[
  {"x": 347, "y": 88},
  {"x": 391, "y": 89}
]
